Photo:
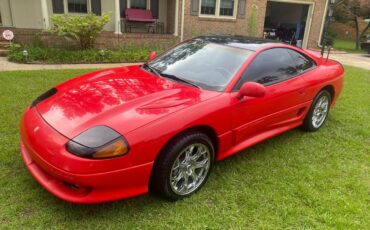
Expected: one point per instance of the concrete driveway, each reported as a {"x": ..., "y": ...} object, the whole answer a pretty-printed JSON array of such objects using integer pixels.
[{"x": 358, "y": 60}]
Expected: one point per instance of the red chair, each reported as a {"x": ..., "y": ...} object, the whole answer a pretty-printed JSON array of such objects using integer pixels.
[{"x": 133, "y": 16}]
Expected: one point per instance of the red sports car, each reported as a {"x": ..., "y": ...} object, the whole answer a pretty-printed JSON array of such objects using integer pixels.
[{"x": 160, "y": 126}]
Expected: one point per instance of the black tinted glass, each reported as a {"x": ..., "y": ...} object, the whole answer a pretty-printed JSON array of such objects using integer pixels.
[
  {"x": 303, "y": 63},
  {"x": 270, "y": 67},
  {"x": 77, "y": 6},
  {"x": 226, "y": 7},
  {"x": 208, "y": 7},
  {"x": 208, "y": 65}
]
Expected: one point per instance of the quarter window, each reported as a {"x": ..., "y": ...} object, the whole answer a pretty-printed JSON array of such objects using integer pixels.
[
  {"x": 77, "y": 6},
  {"x": 218, "y": 8},
  {"x": 303, "y": 63},
  {"x": 270, "y": 67}
]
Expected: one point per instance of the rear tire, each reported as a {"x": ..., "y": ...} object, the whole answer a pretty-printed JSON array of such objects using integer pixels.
[
  {"x": 183, "y": 167},
  {"x": 318, "y": 112}
]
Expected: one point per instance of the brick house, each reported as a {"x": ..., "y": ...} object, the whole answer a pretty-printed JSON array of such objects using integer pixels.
[{"x": 299, "y": 19}]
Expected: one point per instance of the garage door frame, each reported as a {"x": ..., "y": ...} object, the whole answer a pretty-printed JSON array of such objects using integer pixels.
[{"x": 311, "y": 9}]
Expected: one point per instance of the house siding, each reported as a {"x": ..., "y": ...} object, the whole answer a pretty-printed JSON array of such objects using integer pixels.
[
  {"x": 26, "y": 14},
  {"x": 6, "y": 16},
  {"x": 196, "y": 25},
  {"x": 107, "y": 6}
]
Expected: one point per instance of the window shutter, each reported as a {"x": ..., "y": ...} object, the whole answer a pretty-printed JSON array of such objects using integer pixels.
[
  {"x": 123, "y": 7},
  {"x": 194, "y": 8},
  {"x": 58, "y": 6},
  {"x": 154, "y": 7},
  {"x": 96, "y": 7},
  {"x": 241, "y": 8}
]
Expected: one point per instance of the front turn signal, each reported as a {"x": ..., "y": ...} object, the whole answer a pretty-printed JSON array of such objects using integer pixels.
[{"x": 115, "y": 149}]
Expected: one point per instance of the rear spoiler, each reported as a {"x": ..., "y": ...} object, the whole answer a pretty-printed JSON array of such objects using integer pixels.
[
  {"x": 314, "y": 53},
  {"x": 317, "y": 54}
]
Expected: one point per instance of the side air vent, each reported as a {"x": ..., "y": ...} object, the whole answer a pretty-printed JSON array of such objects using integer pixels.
[{"x": 44, "y": 96}]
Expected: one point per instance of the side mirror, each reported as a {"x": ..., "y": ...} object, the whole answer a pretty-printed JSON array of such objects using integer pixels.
[
  {"x": 251, "y": 89},
  {"x": 152, "y": 55}
]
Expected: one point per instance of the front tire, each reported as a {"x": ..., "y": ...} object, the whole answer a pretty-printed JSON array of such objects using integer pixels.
[
  {"x": 318, "y": 112},
  {"x": 183, "y": 167}
]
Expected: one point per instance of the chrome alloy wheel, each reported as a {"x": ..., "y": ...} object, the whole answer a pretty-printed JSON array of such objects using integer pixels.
[
  {"x": 320, "y": 111},
  {"x": 190, "y": 169}
]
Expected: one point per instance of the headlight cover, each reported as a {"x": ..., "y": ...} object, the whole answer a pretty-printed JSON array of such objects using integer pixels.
[{"x": 99, "y": 142}]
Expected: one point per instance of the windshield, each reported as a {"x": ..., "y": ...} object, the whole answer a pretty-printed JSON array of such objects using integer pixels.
[{"x": 207, "y": 65}]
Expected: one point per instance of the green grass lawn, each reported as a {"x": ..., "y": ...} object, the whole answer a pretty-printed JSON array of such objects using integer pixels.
[
  {"x": 346, "y": 45},
  {"x": 296, "y": 180}
]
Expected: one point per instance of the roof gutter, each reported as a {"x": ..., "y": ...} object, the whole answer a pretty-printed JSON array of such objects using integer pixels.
[
  {"x": 182, "y": 20},
  {"x": 176, "y": 33}
]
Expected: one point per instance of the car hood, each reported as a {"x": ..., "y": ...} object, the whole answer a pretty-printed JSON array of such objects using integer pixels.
[{"x": 123, "y": 98}]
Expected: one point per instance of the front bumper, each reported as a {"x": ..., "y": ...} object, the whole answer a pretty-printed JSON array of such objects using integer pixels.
[{"x": 70, "y": 186}]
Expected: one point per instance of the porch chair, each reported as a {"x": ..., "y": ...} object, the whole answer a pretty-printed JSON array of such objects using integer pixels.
[{"x": 134, "y": 16}]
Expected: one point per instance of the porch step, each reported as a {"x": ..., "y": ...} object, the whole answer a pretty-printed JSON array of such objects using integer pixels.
[
  {"x": 4, "y": 44},
  {"x": 3, "y": 53}
]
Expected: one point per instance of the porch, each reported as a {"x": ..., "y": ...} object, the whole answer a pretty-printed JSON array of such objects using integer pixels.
[
  {"x": 14, "y": 13},
  {"x": 151, "y": 17}
]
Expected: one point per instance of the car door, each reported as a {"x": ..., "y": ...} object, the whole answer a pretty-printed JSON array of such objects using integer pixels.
[{"x": 283, "y": 103}]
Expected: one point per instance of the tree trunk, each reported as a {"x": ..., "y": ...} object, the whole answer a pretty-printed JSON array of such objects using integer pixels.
[{"x": 357, "y": 34}]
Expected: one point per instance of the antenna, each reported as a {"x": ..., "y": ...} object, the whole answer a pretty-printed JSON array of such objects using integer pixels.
[{"x": 327, "y": 57}]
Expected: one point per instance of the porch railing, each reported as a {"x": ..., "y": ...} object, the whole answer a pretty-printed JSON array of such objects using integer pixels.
[{"x": 140, "y": 27}]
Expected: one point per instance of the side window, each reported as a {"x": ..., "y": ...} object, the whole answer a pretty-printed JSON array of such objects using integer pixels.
[
  {"x": 303, "y": 63},
  {"x": 269, "y": 67}
]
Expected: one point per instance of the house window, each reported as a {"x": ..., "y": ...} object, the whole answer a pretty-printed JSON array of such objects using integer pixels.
[
  {"x": 227, "y": 8},
  {"x": 138, "y": 4},
  {"x": 208, "y": 7},
  {"x": 77, "y": 6},
  {"x": 218, "y": 8}
]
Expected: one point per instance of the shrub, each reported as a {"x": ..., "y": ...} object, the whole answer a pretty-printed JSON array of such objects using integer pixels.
[{"x": 83, "y": 29}]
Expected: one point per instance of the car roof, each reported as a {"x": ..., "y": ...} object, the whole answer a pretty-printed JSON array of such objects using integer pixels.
[{"x": 242, "y": 42}]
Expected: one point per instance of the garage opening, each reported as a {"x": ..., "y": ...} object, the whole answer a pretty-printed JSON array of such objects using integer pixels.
[{"x": 286, "y": 22}]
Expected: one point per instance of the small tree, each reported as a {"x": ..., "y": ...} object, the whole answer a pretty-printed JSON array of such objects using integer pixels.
[{"x": 83, "y": 29}]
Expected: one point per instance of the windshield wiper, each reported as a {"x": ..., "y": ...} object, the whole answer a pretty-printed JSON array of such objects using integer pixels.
[
  {"x": 153, "y": 70},
  {"x": 173, "y": 77}
]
